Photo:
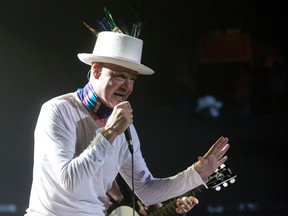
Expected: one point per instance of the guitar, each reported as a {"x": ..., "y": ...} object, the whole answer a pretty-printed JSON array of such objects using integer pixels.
[{"x": 221, "y": 177}]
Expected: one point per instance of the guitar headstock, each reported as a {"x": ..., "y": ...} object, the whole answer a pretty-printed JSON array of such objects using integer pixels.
[{"x": 221, "y": 177}]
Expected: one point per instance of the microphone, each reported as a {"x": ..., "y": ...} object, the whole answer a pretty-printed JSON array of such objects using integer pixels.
[{"x": 129, "y": 139}]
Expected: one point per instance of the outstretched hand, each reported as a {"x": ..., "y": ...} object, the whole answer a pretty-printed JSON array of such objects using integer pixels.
[{"x": 213, "y": 159}]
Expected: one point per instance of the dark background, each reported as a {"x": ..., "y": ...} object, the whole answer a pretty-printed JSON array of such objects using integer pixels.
[{"x": 39, "y": 42}]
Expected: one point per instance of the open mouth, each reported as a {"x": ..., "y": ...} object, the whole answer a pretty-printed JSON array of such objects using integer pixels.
[{"x": 120, "y": 96}]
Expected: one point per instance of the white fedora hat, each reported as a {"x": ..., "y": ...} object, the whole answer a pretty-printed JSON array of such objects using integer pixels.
[{"x": 119, "y": 49}]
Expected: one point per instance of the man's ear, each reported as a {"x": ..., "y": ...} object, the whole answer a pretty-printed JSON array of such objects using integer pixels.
[{"x": 95, "y": 70}]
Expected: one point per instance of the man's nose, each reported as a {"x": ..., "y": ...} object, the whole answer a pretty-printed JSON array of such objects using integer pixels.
[{"x": 128, "y": 83}]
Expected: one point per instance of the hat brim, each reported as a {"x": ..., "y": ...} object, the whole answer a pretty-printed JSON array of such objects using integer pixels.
[{"x": 89, "y": 58}]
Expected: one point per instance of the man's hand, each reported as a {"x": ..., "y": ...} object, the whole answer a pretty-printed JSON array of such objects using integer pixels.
[
  {"x": 213, "y": 159},
  {"x": 119, "y": 120},
  {"x": 185, "y": 204}
]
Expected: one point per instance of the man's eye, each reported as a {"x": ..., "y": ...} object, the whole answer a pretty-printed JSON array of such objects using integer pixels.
[
  {"x": 121, "y": 76},
  {"x": 133, "y": 78}
]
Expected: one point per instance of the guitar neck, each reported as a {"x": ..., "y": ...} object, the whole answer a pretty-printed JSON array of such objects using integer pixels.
[
  {"x": 219, "y": 177},
  {"x": 169, "y": 208}
]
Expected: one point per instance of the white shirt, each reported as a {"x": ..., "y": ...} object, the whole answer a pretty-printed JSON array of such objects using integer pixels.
[{"x": 74, "y": 165}]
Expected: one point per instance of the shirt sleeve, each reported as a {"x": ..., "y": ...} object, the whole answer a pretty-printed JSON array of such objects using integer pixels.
[
  {"x": 58, "y": 138},
  {"x": 153, "y": 190}
]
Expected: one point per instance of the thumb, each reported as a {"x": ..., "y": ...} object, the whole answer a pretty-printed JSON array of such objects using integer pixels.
[{"x": 202, "y": 160}]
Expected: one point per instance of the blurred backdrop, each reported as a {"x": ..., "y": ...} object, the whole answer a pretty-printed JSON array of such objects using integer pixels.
[{"x": 221, "y": 69}]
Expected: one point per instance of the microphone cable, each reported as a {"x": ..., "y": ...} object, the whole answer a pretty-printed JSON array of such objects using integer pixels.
[
  {"x": 133, "y": 192},
  {"x": 130, "y": 147}
]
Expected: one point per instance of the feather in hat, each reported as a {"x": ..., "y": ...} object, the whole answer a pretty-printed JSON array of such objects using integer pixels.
[{"x": 107, "y": 23}]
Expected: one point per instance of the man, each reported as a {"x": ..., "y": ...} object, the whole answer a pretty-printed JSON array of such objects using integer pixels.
[{"x": 80, "y": 145}]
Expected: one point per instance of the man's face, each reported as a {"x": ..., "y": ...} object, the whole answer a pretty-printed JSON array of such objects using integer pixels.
[{"x": 114, "y": 84}]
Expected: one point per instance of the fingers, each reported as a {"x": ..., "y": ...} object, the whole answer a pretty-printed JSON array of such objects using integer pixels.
[
  {"x": 124, "y": 107},
  {"x": 127, "y": 111},
  {"x": 219, "y": 144},
  {"x": 123, "y": 114},
  {"x": 222, "y": 161},
  {"x": 119, "y": 120},
  {"x": 213, "y": 158},
  {"x": 194, "y": 200},
  {"x": 222, "y": 152},
  {"x": 219, "y": 148},
  {"x": 185, "y": 204}
]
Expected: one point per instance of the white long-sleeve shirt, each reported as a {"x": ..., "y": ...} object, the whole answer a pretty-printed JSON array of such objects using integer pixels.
[{"x": 74, "y": 165}]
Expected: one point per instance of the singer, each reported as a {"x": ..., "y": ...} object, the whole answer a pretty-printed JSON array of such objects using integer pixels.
[{"x": 79, "y": 141}]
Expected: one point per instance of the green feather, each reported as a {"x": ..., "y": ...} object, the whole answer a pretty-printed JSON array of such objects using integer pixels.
[{"x": 109, "y": 17}]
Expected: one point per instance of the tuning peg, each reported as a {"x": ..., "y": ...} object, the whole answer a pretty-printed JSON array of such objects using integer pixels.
[{"x": 218, "y": 188}]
